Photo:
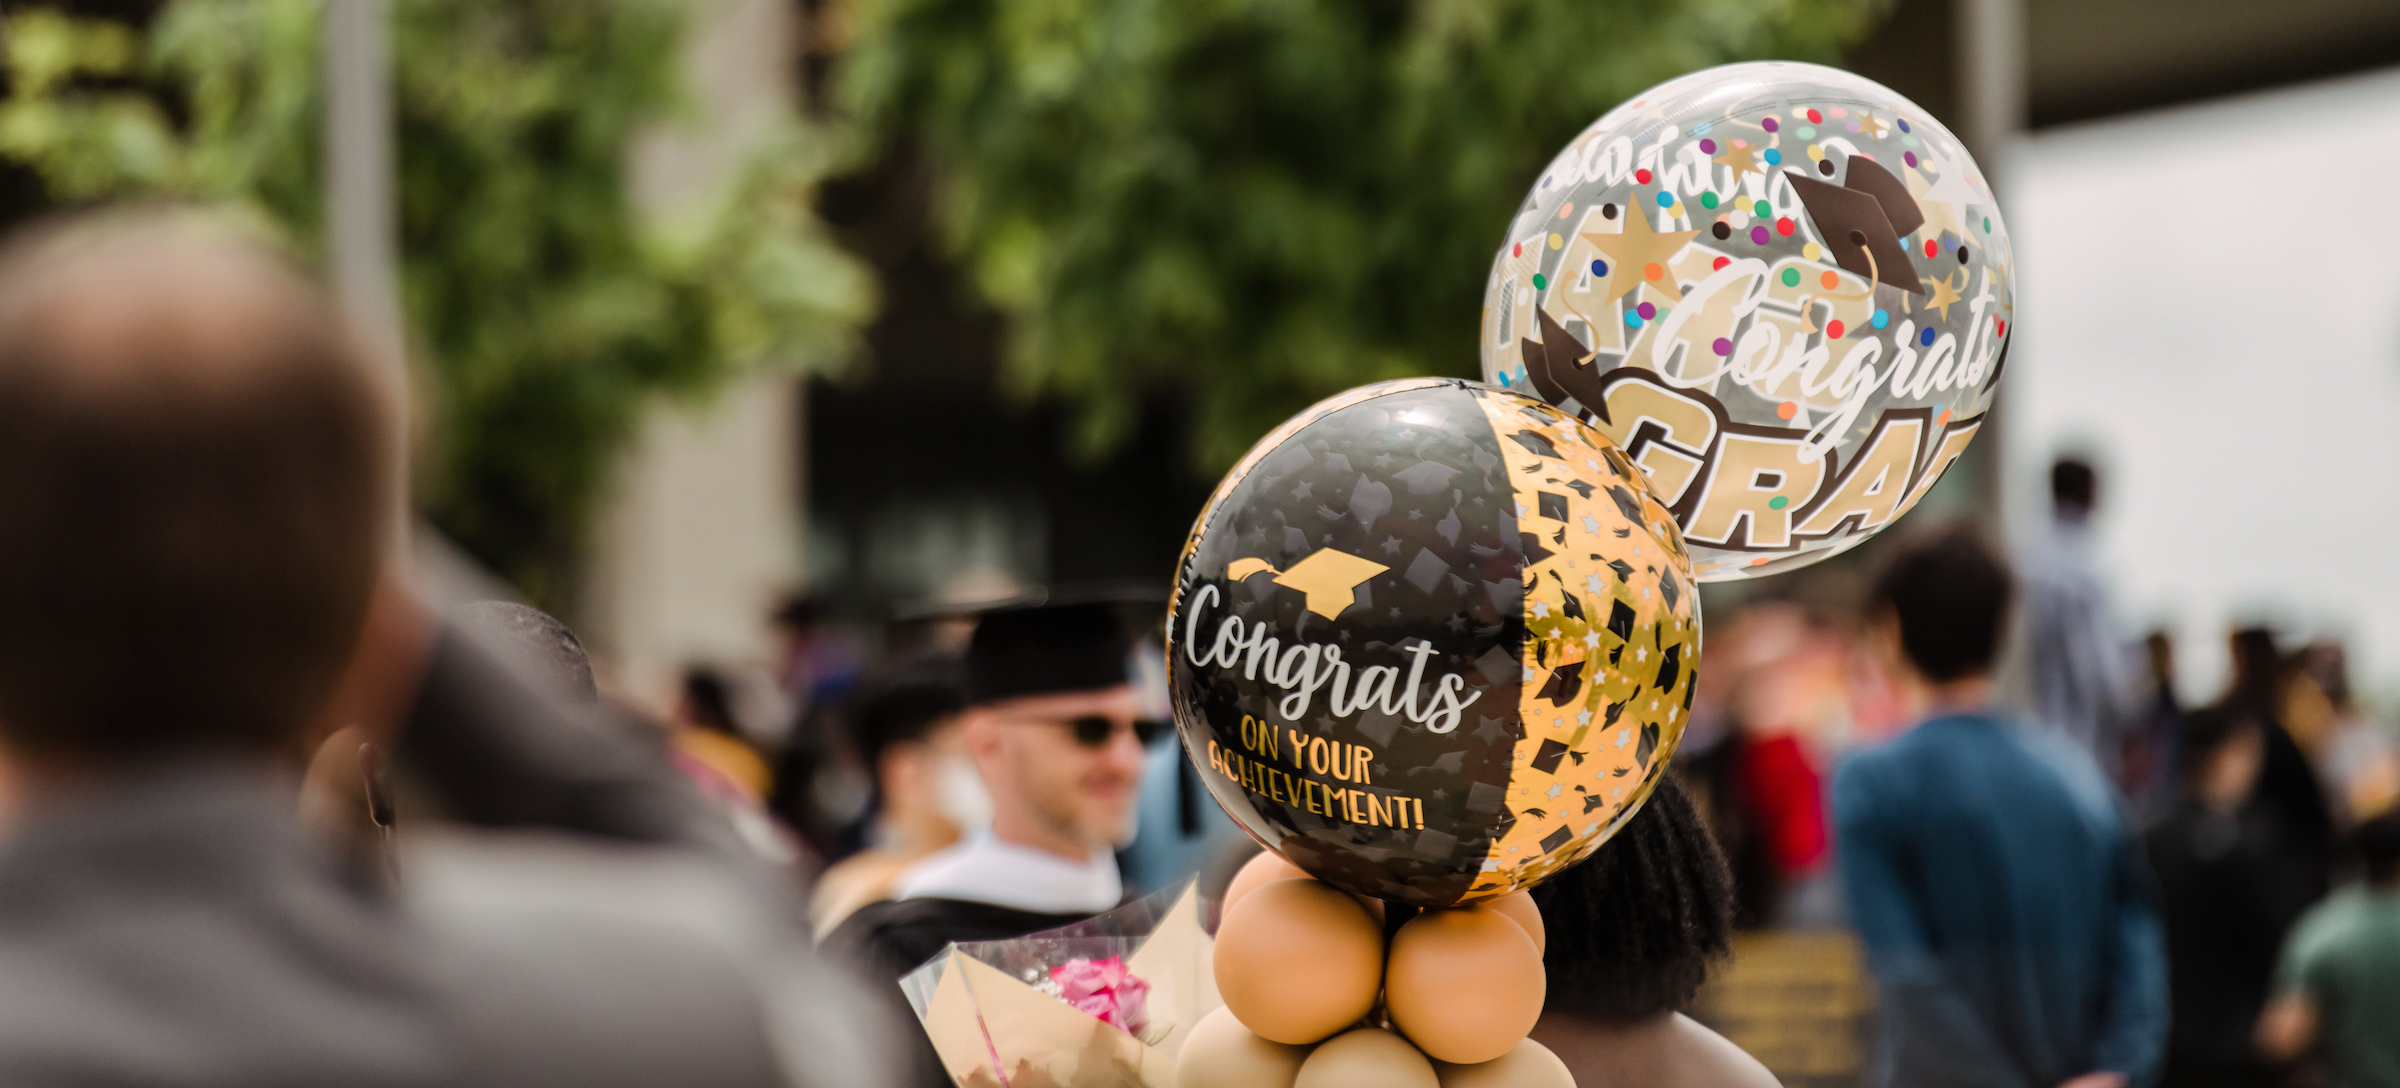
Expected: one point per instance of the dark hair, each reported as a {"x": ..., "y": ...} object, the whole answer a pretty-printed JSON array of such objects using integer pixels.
[
  {"x": 2379, "y": 847},
  {"x": 194, "y": 466},
  {"x": 536, "y": 639},
  {"x": 2072, "y": 483},
  {"x": 904, "y": 701},
  {"x": 1950, "y": 594},
  {"x": 708, "y": 700},
  {"x": 1634, "y": 928},
  {"x": 2203, "y": 731}
]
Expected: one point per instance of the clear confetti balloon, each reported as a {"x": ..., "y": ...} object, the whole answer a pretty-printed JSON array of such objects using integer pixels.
[{"x": 1784, "y": 290}]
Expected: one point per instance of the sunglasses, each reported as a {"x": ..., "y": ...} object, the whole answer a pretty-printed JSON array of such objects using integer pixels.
[{"x": 1094, "y": 731}]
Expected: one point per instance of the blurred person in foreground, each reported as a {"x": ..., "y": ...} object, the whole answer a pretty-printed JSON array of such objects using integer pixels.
[
  {"x": 2218, "y": 857},
  {"x": 2076, "y": 665},
  {"x": 2003, "y": 901},
  {"x": 2338, "y": 986},
  {"x": 1632, "y": 932},
  {"x": 905, "y": 724},
  {"x": 1057, "y": 735},
  {"x": 193, "y": 595}
]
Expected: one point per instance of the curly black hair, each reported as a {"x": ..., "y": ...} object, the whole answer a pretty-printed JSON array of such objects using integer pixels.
[{"x": 1634, "y": 929}]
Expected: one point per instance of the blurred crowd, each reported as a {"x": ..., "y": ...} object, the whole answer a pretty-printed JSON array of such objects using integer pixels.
[{"x": 281, "y": 811}]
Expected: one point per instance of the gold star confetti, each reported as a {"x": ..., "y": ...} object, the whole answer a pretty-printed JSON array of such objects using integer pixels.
[
  {"x": 1633, "y": 254},
  {"x": 1943, "y": 295},
  {"x": 1741, "y": 156}
]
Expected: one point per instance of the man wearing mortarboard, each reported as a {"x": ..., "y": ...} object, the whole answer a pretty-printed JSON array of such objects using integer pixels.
[{"x": 1055, "y": 727}]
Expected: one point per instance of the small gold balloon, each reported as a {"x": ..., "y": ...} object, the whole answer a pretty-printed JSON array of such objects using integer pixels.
[
  {"x": 1464, "y": 985},
  {"x": 1519, "y": 907},
  {"x": 1527, "y": 1065},
  {"x": 1221, "y": 1053},
  {"x": 1366, "y": 1056},
  {"x": 1298, "y": 960},
  {"x": 1266, "y": 867}
]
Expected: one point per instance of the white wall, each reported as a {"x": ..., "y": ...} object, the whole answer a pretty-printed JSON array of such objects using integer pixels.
[
  {"x": 2210, "y": 303},
  {"x": 703, "y": 528}
]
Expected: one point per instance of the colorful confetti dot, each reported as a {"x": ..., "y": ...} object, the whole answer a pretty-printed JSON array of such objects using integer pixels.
[
  {"x": 1641, "y": 177},
  {"x": 1708, "y": 147},
  {"x": 1908, "y": 141},
  {"x": 1904, "y": 125},
  {"x": 1773, "y": 156},
  {"x": 1791, "y": 277},
  {"x": 1987, "y": 224},
  {"x": 1881, "y": 318},
  {"x": 1962, "y": 254},
  {"x": 1719, "y": 264},
  {"x": 1999, "y": 327},
  {"x": 1834, "y": 329},
  {"x": 1778, "y": 502},
  {"x": 1566, "y": 209},
  {"x": 1701, "y": 129},
  {"x": 1608, "y": 211},
  {"x": 1599, "y": 267},
  {"x": 1769, "y": 124},
  {"x": 1825, "y": 167},
  {"x": 1836, "y": 112},
  {"x": 1830, "y": 281},
  {"x": 1721, "y": 230},
  {"x": 1633, "y": 320},
  {"x": 1762, "y": 209},
  {"x": 1653, "y": 272},
  {"x": 1666, "y": 199},
  {"x": 1815, "y": 118},
  {"x": 1909, "y": 157},
  {"x": 1708, "y": 199},
  {"x": 1787, "y": 409},
  {"x": 1925, "y": 338},
  {"x": 1785, "y": 226},
  {"x": 1722, "y": 346},
  {"x": 1932, "y": 247},
  {"x": 1816, "y": 152},
  {"x": 1556, "y": 241},
  {"x": 1942, "y": 418},
  {"x": 1517, "y": 250},
  {"x": 1806, "y": 133},
  {"x": 1759, "y": 562},
  {"x": 1540, "y": 281},
  {"x": 1759, "y": 236},
  {"x": 1812, "y": 251},
  {"x": 1647, "y": 311},
  {"x": 1740, "y": 219}
]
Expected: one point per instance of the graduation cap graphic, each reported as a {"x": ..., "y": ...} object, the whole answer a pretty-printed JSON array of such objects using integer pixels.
[
  {"x": 1862, "y": 219},
  {"x": 1329, "y": 577}
]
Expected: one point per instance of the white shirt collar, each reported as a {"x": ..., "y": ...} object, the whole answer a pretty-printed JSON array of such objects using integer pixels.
[{"x": 985, "y": 869}]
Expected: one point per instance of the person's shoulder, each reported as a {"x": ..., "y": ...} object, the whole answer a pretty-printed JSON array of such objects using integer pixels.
[
  {"x": 1714, "y": 1060},
  {"x": 896, "y": 936}
]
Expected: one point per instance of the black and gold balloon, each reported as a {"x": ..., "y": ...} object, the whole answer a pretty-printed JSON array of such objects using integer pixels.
[{"x": 1433, "y": 641}]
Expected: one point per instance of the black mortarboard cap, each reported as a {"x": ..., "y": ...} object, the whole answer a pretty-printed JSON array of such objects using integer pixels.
[{"x": 1041, "y": 649}]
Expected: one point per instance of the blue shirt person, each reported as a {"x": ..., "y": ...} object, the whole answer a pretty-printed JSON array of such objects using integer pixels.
[{"x": 2003, "y": 899}]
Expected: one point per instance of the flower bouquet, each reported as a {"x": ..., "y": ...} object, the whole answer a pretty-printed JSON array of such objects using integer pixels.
[{"x": 1103, "y": 1003}]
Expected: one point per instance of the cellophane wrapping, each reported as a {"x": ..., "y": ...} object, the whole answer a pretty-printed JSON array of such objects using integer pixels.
[{"x": 1103, "y": 1003}]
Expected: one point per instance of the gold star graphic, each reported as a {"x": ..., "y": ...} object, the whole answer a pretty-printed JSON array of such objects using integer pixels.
[
  {"x": 1742, "y": 157},
  {"x": 1632, "y": 254},
  {"x": 1943, "y": 296},
  {"x": 1330, "y": 578}
]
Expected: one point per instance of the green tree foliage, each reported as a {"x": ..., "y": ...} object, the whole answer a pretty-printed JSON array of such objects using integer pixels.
[
  {"x": 1256, "y": 203},
  {"x": 543, "y": 310}
]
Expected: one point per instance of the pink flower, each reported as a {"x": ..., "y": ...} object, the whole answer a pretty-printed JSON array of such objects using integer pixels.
[{"x": 1106, "y": 990}]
